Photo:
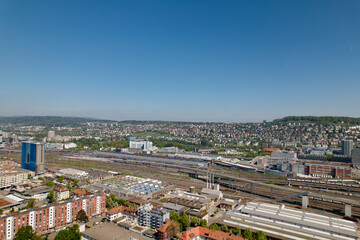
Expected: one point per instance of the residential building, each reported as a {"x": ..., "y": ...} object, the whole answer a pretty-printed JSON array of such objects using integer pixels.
[
  {"x": 61, "y": 192},
  {"x": 168, "y": 230},
  {"x": 121, "y": 211},
  {"x": 10, "y": 177},
  {"x": 201, "y": 233},
  {"x": 346, "y": 147},
  {"x": 152, "y": 217},
  {"x": 81, "y": 192},
  {"x": 33, "y": 157},
  {"x": 50, "y": 216},
  {"x": 50, "y": 135}
]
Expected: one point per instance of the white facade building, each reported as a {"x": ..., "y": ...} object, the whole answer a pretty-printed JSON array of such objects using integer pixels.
[
  {"x": 283, "y": 223},
  {"x": 284, "y": 154},
  {"x": 141, "y": 144}
]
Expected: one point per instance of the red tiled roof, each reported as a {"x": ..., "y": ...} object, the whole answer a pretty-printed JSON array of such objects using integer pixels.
[
  {"x": 137, "y": 200},
  {"x": 61, "y": 188},
  {"x": 156, "y": 204},
  {"x": 4, "y": 202},
  {"x": 164, "y": 226},
  {"x": 209, "y": 234},
  {"x": 123, "y": 209},
  {"x": 270, "y": 149},
  {"x": 80, "y": 192}
]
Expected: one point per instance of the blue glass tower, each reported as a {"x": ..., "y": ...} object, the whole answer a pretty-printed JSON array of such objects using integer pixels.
[{"x": 33, "y": 157}]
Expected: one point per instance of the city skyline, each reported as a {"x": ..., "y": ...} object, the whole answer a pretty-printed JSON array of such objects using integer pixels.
[{"x": 180, "y": 60}]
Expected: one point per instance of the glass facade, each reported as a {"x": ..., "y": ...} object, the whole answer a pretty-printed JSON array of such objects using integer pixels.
[{"x": 32, "y": 157}]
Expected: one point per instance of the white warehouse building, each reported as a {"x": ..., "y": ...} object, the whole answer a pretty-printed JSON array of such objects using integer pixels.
[{"x": 283, "y": 223}]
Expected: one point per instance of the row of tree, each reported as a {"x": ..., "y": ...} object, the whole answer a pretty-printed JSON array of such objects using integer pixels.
[
  {"x": 112, "y": 201},
  {"x": 185, "y": 223},
  {"x": 320, "y": 120},
  {"x": 27, "y": 233}
]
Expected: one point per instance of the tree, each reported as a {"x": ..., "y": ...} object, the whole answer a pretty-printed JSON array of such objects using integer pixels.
[
  {"x": 81, "y": 216},
  {"x": 110, "y": 203},
  {"x": 51, "y": 196},
  {"x": 260, "y": 235},
  {"x": 236, "y": 231},
  {"x": 26, "y": 233},
  {"x": 61, "y": 179},
  {"x": 224, "y": 228},
  {"x": 214, "y": 226},
  {"x": 30, "y": 203},
  {"x": 1, "y": 211},
  {"x": 49, "y": 183},
  {"x": 72, "y": 233},
  {"x": 76, "y": 182},
  {"x": 203, "y": 223},
  {"x": 185, "y": 222},
  {"x": 174, "y": 216},
  {"x": 68, "y": 185},
  {"x": 247, "y": 233},
  {"x": 194, "y": 222},
  {"x": 173, "y": 229}
]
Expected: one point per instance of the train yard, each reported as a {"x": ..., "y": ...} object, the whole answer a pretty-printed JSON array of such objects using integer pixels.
[{"x": 326, "y": 196}]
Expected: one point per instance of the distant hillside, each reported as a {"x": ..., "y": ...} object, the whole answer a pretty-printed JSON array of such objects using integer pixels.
[
  {"x": 46, "y": 120},
  {"x": 320, "y": 120}
]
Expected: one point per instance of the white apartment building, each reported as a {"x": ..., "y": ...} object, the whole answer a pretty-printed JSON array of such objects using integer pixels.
[
  {"x": 151, "y": 217},
  {"x": 12, "y": 177},
  {"x": 61, "y": 192}
]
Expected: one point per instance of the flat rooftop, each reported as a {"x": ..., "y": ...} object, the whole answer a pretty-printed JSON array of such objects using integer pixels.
[
  {"x": 290, "y": 221},
  {"x": 110, "y": 231}
]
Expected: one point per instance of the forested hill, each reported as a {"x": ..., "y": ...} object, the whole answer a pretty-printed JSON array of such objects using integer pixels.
[
  {"x": 319, "y": 120},
  {"x": 46, "y": 120}
]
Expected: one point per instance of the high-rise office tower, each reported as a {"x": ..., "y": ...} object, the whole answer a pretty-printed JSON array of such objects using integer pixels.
[
  {"x": 355, "y": 157},
  {"x": 346, "y": 147},
  {"x": 33, "y": 157}
]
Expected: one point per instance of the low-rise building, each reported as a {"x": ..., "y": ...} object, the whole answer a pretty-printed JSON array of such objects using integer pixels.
[
  {"x": 327, "y": 171},
  {"x": 279, "y": 222},
  {"x": 110, "y": 231},
  {"x": 201, "y": 233},
  {"x": 284, "y": 154},
  {"x": 228, "y": 204},
  {"x": 168, "y": 230},
  {"x": 80, "y": 192},
  {"x": 61, "y": 192},
  {"x": 121, "y": 211}
]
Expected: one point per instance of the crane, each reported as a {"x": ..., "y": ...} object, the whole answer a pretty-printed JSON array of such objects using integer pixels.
[{"x": 9, "y": 152}]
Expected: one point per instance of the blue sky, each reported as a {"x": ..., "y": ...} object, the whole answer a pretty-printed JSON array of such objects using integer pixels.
[{"x": 230, "y": 61}]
